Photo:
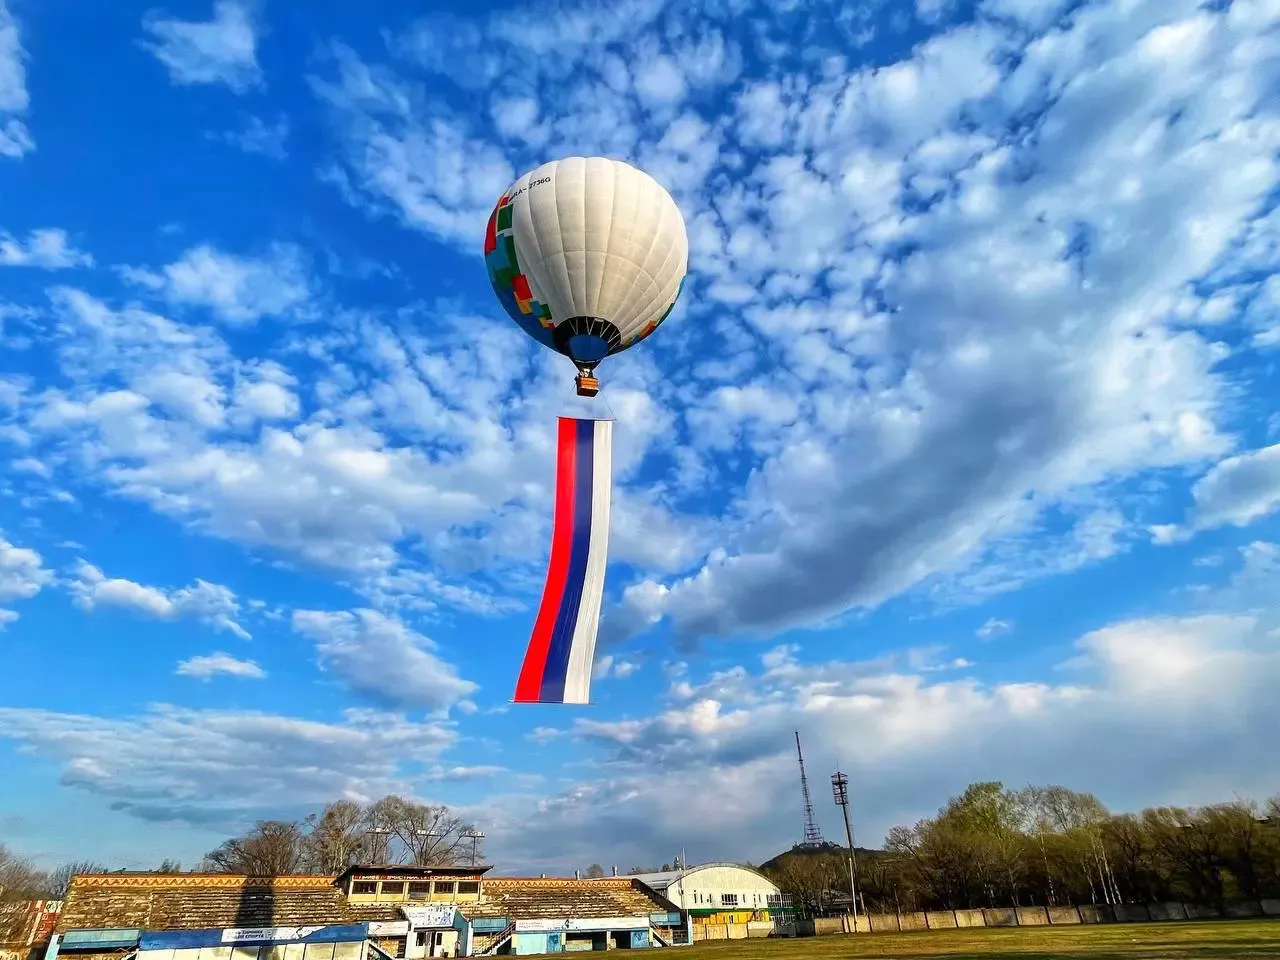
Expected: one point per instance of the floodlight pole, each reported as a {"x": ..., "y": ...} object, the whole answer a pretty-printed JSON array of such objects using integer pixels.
[
  {"x": 476, "y": 836},
  {"x": 840, "y": 791}
]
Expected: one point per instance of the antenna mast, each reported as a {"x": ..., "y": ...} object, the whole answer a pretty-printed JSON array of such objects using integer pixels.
[{"x": 812, "y": 835}]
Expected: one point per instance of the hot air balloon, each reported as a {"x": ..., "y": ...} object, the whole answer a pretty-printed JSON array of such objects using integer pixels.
[{"x": 588, "y": 256}]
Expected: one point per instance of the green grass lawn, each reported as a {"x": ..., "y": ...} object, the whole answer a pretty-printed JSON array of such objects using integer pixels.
[{"x": 1212, "y": 940}]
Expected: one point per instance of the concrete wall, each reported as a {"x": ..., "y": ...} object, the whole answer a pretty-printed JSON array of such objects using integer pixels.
[
  {"x": 1096, "y": 913},
  {"x": 1000, "y": 916},
  {"x": 764, "y": 928},
  {"x": 913, "y": 921},
  {"x": 1033, "y": 917},
  {"x": 1167, "y": 911}
]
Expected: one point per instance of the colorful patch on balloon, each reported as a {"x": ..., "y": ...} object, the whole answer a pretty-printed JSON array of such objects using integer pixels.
[{"x": 509, "y": 281}]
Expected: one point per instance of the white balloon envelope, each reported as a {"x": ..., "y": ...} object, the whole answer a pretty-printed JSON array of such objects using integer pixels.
[{"x": 588, "y": 255}]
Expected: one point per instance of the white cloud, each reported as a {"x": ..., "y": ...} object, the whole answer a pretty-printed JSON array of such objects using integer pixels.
[
  {"x": 433, "y": 171},
  {"x": 15, "y": 139},
  {"x": 608, "y": 666},
  {"x": 46, "y": 249},
  {"x": 366, "y": 453},
  {"x": 660, "y": 81},
  {"x": 257, "y": 136},
  {"x": 931, "y": 11},
  {"x": 238, "y": 290},
  {"x": 206, "y": 667},
  {"x": 210, "y": 603},
  {"x": 22, "y": 576},
  {"x": 993, "y": 628},
  {"x": 1199, "y": 686},
  {"x": 226, "y": 768},
  {"x": 1235, "y": 492},
  {"x": 221, "y": 50},
  {"x": 381, "y": 658},
  {"x": 32, "y": 466},
  {"x": 464, "y": 774}
]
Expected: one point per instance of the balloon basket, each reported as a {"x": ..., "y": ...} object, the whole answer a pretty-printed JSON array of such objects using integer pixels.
[{"x": 588, "y": 386}]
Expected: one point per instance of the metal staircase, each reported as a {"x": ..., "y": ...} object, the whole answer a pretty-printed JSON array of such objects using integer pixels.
[{"x": 504, "y": 936}]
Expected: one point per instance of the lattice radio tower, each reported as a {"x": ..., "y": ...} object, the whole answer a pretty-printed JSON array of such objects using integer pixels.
[{"x": 812, "y": 835}]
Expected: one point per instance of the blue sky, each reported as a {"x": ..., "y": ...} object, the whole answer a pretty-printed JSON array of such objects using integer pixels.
[{"x": 961, "y": 453}]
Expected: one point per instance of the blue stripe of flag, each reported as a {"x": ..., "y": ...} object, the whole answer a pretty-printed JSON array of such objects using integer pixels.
[{"x": 553, "y": 679}]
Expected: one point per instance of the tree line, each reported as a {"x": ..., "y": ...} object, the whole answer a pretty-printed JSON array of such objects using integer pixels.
[
  {"x": 392, "y": 830},
  {"x": 20, "y": 879},
  {"x": 1048, "y": 846}
]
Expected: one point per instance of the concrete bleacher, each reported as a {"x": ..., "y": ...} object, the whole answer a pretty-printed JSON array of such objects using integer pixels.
[
  {"x": 519, "y": 898},
  {"x": 202, "y": 901}
]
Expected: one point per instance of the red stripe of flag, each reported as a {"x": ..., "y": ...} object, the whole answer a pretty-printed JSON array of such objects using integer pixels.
[{"x": 529, "y": 686}]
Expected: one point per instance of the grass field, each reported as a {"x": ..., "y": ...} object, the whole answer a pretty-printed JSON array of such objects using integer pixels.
[{"x": 1213, "y": 940}]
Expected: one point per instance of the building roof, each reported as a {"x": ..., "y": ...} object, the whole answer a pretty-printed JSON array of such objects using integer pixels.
[{"x": 409, "y": 871}]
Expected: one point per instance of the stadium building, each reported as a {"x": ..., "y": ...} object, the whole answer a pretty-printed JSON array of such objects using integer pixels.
[{"x": 366, "y": 913}]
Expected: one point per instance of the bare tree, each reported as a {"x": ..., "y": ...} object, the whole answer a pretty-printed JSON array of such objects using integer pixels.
[
  {"x": 19, "y": 878},
  {"x": 338, "y": 837},
  {"x": 423, "y": 834},
  {"x": 60, "y": 879},
  {"x": 271, "y": 849}
]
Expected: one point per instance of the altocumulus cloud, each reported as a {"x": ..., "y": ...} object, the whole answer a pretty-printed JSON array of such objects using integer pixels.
[{"x": 955, "y": 307}]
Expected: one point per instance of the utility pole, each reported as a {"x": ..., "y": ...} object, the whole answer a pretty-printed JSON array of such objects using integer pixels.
[{"x": 840, "y": 791}]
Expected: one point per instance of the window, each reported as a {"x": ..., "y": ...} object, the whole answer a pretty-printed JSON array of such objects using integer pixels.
[
  {"x": 419, "y": 891},
  {"x": 364, "y": 886},
  {"x": 728, "y": 899},
  {"x": 422, "y": 937},
  {"x": 468, "y": 887},
  {"x": 446, "y": 887},
  {"x": 393, "y": 889}
]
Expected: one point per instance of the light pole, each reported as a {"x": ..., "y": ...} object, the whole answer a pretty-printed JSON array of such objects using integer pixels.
[
  {"x": 476, "y": 836},
  {"x": 840, "y": 791},
  {"x": 422, "y": 857}
]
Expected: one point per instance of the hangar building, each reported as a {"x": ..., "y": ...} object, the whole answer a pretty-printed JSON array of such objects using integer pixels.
[{"x": 714, "y": 894}]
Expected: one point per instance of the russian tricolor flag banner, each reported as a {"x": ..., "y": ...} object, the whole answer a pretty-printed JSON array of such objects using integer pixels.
[{"x": 557, "y": 666}]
